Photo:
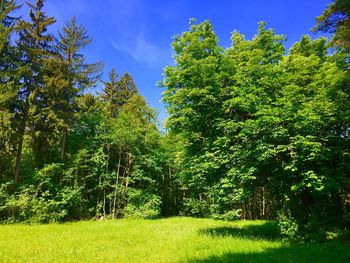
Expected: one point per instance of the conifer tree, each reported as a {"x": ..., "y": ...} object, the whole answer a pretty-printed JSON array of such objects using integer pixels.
[
  {"x": 126, "y": 89},
  {"x": 118, "y": 92},
  {"x": 80, "y": 74},
  {"x": 336, "y": 20},
  {"x": 35, "y": 46},
  {"x": 6, "y": 59},
  {"x": 7, "y": 74},
  {"x": 110, "y": 94}
]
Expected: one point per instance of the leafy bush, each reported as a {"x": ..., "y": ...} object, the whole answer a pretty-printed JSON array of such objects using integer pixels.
[
  {"x": 49, "y": 177},
  {"x": 27, "y": 207},
  {"x": 287, "y": 225},
  {"x": 18, "y": 206},
  {"x": 232, "y": 215},
  {"x": 142, "y": 204},
  {"x": 195, "y": 207},
  {"x": 42, "y": 202}
]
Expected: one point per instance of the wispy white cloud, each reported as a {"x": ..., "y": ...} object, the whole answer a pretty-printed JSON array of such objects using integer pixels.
[
  {"x": 131, "y": 26},
  {"x": 115, "y": 45},
  {"x": 126, "y": 22},
  {"x": 141, "y": 49}
]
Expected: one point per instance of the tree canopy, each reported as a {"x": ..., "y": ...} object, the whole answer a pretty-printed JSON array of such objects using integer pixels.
[
  {"x": 336, "y": 20},
  {"x": 254, "y": 131},
  {"x": 266, "y": 134}
]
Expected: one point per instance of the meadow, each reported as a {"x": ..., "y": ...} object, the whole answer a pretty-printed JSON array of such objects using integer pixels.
[{"x": 162, "y": 240}]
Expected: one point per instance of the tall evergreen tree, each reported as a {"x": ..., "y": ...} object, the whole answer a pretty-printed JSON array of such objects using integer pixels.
[
  {"x": 336, "y": 20},
  {"x": 80, "y": 74},
  {"x": 126, "y": 89},
  {"x": 110, "y": 94},
  {"x": 7, "y": 79},
  {"x": 35, "y": 46},
  {"x": 117, "y": 92}
]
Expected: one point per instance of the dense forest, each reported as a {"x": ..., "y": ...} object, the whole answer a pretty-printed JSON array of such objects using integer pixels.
[{"x": 254, "y": 131}]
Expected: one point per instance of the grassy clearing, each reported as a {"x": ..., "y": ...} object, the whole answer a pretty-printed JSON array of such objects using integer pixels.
[{"x": 163, "y": 240}]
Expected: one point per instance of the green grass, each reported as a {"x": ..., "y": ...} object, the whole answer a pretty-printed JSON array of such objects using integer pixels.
[{"x": 163, "y": 240}]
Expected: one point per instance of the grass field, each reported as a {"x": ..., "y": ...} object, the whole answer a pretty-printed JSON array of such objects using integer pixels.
[{"x": 163, "y": 240}]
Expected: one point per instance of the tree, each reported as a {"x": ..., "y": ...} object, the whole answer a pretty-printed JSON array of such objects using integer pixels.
[
  {"x": 210, "y": 94},
  {"x": 264, "y": 133},
  {"x": 128, "y": 135},
  {"x": 336, "y": 20},
  {"x": 138, "y": 140},
  {"x": 79, "y": 75},
  {"x": 6, "y": 7},
  {"x": 110, "y": 94},
  {"x": 315, "y": 112},
  {"x": 117, "y": 92},
  {"x": 193, "y": 93},
  {"x": 8, "y": 86},
  {"x": 253, "y": 83},
  {"x": 170, "y": 154},
  {"x": 35, "y": 46},
  {"x": 126, "y": 89},
  {"x": 116, "y": 159}
]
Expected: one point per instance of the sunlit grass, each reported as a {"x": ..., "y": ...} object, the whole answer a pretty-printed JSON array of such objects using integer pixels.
[{"x": 163, "y": 240}]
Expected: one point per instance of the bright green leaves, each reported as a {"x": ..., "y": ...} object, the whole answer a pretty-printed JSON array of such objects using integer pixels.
[
  {"x": 258, "y": 123},
  {"x": 198, "y": 43},
  {"x": 213, "y": 97},
  {"x": 191, "y": 84}
]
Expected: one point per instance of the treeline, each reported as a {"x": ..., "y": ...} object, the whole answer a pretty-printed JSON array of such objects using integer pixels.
[
  {"x": 66, "y": 153},
  {"x": 254, "y": 132},
  {"x": 266, "y": 134}
]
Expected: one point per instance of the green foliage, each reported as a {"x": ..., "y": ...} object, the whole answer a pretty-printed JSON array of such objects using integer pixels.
[
  {"x": 254, "y": 132},
  {"x": 262, "y": 130},
  {"x": 287, "y": 225},
  {"x": 47, "y": 200},
  {"x": 142, "y": 204},
  {"x": 229, "y": 216},
  {"x": 336, "y": 20},
  {"x": 196, "y": 208},
  {"x": 71, "y": 154}
]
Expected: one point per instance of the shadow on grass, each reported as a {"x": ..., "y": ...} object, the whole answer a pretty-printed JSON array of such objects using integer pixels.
[
  {"x": 266, "y": 231},
  {"x": 332, "y": 252}
]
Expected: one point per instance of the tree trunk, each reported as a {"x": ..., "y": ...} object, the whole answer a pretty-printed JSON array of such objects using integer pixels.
[
  {"x": 20, "y": 144},
  {"x": 64, "y": 142},
  {"x": 104, "y": 189},
  {"x": 129, "y": 164},
  {"x": 104, "y": 203},
  {"x": 116, "y": 186},
  {"x": 110, "y": 206},
  {"x": 18, "y": 158},
  {"x": 263, "y": 202}
]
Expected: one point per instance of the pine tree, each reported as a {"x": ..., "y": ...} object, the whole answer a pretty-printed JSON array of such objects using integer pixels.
[
  {"x": 117, "y": 92},
  {"x": 336, "y": 20},
  {"x": 35, "y": 46},
  {"x": 6, "y": 8},
  {"x": 7, "y": 26},
  {"x": 7, "y": 83},
  {"x": 110, "y": 94},
  {"x": 6, "y": 58},
  {"x": 80, "y": 74},
  {"x": 126, "y": 89}
]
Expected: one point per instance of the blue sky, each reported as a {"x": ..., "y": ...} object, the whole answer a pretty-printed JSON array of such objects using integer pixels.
[{"x": 135, "y": 35}]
